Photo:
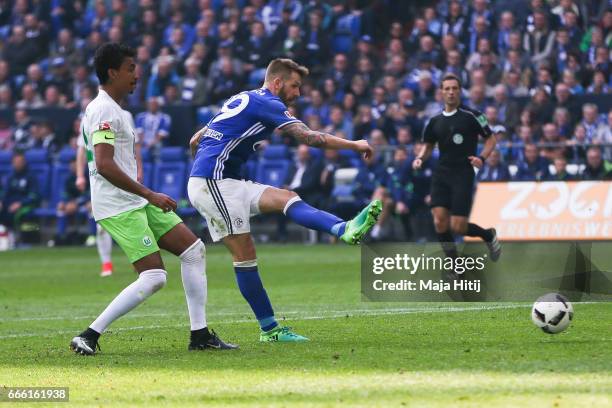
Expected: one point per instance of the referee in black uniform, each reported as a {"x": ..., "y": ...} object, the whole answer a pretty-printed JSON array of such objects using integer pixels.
[{"x": 456, "y": 130}]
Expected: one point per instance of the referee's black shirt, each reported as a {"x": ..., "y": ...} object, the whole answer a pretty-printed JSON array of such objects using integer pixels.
[{"x": 456, "y": 134}]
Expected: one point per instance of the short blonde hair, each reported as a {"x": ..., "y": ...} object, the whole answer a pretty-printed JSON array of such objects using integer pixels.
[{"x": 284, "y": 67}]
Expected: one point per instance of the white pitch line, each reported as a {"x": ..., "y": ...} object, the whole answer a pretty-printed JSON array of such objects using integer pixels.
[
  {"x": 334, "y": 315},
  {"x": 178, "y": 314}
]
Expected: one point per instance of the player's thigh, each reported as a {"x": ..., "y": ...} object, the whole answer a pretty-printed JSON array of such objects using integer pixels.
[
  {"x": 223, "y": 203},
  {"x": 179, "y": 239},
  {"x": 132, "y": 233},
  {"x": 241, "y": 246},
  {"x": 169, "y": 231},
  {"x": 151, "y": 261},
  {"x": 274, "y": 199}
]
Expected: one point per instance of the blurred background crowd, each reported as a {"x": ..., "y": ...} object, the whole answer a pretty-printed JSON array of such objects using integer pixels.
[{"x": 539, "y": 70}]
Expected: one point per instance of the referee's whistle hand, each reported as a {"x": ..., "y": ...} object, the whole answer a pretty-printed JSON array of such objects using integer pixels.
[
  {"x": 476, "y": 162},
  {"x": 417, "y": 163}
]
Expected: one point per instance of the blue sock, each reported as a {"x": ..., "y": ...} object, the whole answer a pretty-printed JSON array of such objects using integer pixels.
[
  {"x": 61, "y": 224},
  {"x": 253, "y": 291},
  {"x": 301, "y": 213}
]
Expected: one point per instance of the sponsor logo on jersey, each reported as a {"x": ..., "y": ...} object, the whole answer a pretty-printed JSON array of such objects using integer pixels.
[
  {"x": 104, "y": 126},
  {"x": 146, "y": 241},
  {"x": 457, "y": 138},
  {"x": 213, "y": 134},
  {"x": 482, "y": 120}
]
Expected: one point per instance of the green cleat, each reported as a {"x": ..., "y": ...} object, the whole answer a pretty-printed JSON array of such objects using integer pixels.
[
  {"x": 357, "y": 227},
  {"x": 281, "y": 334}
]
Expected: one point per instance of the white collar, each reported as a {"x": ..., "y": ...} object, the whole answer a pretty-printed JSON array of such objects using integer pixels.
[{"x": 445, "y": 113}]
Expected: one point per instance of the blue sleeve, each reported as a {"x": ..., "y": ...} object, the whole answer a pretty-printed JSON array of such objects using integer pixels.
[
  {"x": 273, "y": 113},
  {"x": 138, "y": 122}
]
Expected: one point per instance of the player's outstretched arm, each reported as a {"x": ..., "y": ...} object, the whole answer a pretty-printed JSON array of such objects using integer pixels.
[
  {"x": 423, "y": 155},
  {"x": 310, "y": 137},
  {"x": 108, "y": 169}
]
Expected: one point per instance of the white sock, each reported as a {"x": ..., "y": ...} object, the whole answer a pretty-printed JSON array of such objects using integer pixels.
[
  {"x": 193, "y": 273},
  {"x": 148, "y": 282},
  {"x": 104, "y": 243}
]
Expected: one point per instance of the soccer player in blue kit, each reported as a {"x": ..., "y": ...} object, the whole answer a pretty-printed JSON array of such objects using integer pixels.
[{"x": 226, "y": 202}]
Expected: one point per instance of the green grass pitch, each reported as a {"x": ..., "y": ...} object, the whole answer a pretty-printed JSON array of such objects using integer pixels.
[{"x": 360, "y": 354}]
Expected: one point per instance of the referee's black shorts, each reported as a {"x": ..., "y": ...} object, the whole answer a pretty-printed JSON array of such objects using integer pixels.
[{"x": 453, "y": 188}]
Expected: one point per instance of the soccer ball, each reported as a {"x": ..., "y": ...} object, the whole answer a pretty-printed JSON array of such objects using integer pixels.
[{"x": 552, "y": 313}]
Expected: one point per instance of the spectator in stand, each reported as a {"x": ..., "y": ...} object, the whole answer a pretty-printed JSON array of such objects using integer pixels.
[
  {"x": 30, "y": 99},
  {"x": 596, "y": 167},
  {"x": 316, "y": 42},
  {"x": 44, "y": 137},
  {"x": 224, "y": 83},
  {"x": 318, "y": 107},
  {"x": 561, "y": 174},
  {"x": 19, "y": 51},
  {"x": 21, "y": 196},
  {"x": 599, "y": 85},
  {"x": 494, "y": 169},
  {"x": 512, "y": 80},
  {"x": 565, "y": 99},
  {"x": 561, "y": 118},
  {"x": 533, "y": 167},
  {"x": 153, "y": 126},
  {"x": 193, "y": 85},
  {"x": 456, "y": 23},
  {"x": 590, "y": 120},
  {"x": 165, "y": 75},
  {"x": 539, "y": 41},
  {"x": 552, "y": 143}
]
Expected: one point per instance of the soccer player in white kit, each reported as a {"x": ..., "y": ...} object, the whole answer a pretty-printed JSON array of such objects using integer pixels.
[{"x": 139, "y": 220}]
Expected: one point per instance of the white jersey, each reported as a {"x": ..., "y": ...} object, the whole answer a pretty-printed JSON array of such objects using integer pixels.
[{"x": 104, "y": 114}]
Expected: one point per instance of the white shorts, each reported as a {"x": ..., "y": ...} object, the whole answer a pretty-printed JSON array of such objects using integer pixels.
[{"x": 227, "y": 205}]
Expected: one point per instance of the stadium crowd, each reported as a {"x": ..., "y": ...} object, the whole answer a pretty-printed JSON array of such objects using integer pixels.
[{"x": 539, "y": 70}]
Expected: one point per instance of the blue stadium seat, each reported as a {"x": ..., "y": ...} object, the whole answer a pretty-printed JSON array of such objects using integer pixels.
[
  {"x": 272, "y": 172},
  {"x": 6, "y": 157},
  {"x": 38, "y": 166},
  {"x": 147, "y": 176},
  {"x": 205, "y": 114},
  {"x": 59, "y": 174},
  {"x": 66, "y": 155},
  {"x": 276, "y": 152},
  {"x": 170, "y": 178},
  {"x": 146, "y": 155},
  {"x": 343, "y": 193},
  {"x": 172, "y": 154}
]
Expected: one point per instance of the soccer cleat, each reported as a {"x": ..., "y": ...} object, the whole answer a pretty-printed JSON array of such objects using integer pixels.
[
  {"x": 210, "y": 341},
  {"x": 84, "y": 346},
  {"x": 107, "y": 269},
  {"x": 494, "y": 246},
  {"x": 357, "y": 227},
  {"x": 281, "y": 335}
]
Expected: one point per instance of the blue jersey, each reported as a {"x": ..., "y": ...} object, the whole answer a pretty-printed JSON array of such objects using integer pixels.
[{"x": 232, "y": 135}]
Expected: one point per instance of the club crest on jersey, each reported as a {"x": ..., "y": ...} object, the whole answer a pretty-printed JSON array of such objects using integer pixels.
[
  {"x": 146, "y": 241},
  {"x": 457, "y": 138},
  {"x": 238, "y": 221},
  {"x": 290, "y": 116},
  {"x": 104, "y": 126}
]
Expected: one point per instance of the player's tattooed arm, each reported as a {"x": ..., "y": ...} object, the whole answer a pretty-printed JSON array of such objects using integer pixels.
[
  {"x": 305, "y": 135},
  {"x": 311, "y": 137}
]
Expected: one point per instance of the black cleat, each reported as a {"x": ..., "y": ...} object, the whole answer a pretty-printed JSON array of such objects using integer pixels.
[
  {"x": 210, "y": 340},
  {"x": 494, "y": 246},
  {"x": 84, "y": 346}
]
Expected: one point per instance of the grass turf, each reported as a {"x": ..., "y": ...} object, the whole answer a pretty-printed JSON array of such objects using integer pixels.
[{"x": 366, "y": 354}]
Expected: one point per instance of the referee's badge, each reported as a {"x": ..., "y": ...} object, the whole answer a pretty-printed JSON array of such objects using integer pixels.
[{"x": 457, "y": 138}]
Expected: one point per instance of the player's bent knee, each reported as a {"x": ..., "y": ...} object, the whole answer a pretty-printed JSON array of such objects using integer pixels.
[
  {"x": 195, "y": 253},
  {"x": 156, "y": 279}
]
